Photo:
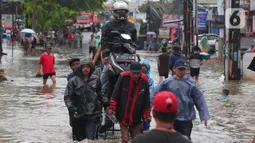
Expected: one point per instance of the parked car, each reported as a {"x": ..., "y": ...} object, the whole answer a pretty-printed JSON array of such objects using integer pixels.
[{"x": 212, "y": 40}]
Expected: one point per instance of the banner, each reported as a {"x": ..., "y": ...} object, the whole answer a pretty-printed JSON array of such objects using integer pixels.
[
  {"x": 164, "y": 33},
  {"x": 167, "y": 18},
  {"x": 202, "y": 22}
]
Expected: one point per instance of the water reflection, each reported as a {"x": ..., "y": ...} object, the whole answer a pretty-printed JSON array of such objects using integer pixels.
[
  {"x": 46, "y": 91},
  {"x": 33, "y": 113}
]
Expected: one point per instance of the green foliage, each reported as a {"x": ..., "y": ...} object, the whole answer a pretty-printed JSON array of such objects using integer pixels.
[
  {"x": 52, "y": 14},
  {"x": 82, "y": 5}
]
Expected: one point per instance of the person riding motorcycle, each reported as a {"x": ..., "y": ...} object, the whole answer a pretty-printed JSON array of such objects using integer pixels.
[{"x": 120, "y": 23}]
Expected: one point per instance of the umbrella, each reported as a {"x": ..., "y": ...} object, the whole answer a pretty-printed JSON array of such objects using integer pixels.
[
  {"x": 28, "y": 31},
  {"x": 151, "y": 33},
  {"x": 9, "y": 27}
]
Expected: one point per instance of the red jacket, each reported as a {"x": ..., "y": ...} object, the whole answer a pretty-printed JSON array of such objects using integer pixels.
[{"x": 131, "y": 99}]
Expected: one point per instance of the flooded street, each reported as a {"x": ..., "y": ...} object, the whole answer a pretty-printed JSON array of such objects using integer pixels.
[{"x": 31, "y": 113}]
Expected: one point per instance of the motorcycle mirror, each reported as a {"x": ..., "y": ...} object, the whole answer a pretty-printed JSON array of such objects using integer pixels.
[{"x": 125, "y": 36}]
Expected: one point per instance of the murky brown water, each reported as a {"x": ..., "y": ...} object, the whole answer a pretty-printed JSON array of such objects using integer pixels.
[{"x": 30, "y": 113}]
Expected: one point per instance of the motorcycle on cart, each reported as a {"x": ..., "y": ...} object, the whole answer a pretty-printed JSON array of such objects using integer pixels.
[{"x": 119, "y": 61}]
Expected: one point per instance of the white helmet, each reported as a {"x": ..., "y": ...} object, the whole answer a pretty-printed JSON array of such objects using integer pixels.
[{"x": 120, "y": 10}]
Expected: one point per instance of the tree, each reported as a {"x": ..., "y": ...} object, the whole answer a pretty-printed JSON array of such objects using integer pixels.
[
  {"x": 82, "y": 5},
  {"x": 49, "y": 14},
  {"x": 52, "y": 14}
]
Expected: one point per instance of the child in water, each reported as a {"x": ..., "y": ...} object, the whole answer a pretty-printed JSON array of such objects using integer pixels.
[
  {"x": 225, "y": 94},
  {"x": 2, "y": 77}
]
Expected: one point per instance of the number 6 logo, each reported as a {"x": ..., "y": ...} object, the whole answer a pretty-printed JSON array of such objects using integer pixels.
[{"x": 235, "y": 18}]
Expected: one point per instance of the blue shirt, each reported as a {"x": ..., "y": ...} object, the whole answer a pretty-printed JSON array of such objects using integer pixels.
[
  {"x": 70, "y": 75},
  {"x": 188, "y": 96}
]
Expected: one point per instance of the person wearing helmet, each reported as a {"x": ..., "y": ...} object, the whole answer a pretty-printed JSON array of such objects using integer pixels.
[
  {"x": 165, "y": 111},
  {"x": 120, "y": 23}
]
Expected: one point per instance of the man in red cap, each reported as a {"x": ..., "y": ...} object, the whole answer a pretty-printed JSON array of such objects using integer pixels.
[{"x": 165, "y": 110}]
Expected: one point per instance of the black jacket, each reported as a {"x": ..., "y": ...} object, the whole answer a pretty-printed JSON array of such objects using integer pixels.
[
  {"x": 124, "y": 27},
  {"x": 84, "y": 97},
  {"x": 131, "y": 99}
]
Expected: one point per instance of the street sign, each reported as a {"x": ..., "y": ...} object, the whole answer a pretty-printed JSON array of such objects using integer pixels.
[
  {"x": 140, "y": 16},
  {"x": 235, "y": 18}
]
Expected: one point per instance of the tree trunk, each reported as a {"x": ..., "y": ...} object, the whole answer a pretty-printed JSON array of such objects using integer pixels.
[{"x": 34, "y": 15}]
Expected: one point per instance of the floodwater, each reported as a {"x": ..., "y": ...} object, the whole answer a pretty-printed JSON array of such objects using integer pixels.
[{"x": 32, "y": 113}]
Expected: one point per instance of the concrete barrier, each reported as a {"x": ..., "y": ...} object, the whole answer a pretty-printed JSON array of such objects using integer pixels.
[{"x": 248, "y": 74}]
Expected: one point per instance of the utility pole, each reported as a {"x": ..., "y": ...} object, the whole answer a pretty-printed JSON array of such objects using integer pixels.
[
  {"x": 187, "y": 6},
  {"x": 179, "y": 23},
  {"x": 195, "y": 21},
  {"x": 185, "y": 21},
  {"x": 13, "y": 26},
  {"x": 1, "y": 48},
  {"x": 236, "y": 72},
  {"x": 34, "y": 15},
  {"x": 148, "y": 16},
  {"x": 232, "y": 49},
  {"x": 1, "y": 26},
  {"x": 227, "y": 45}
]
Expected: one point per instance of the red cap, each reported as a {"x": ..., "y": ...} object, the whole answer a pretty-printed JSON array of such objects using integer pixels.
[{"x": 165, "y": 102}]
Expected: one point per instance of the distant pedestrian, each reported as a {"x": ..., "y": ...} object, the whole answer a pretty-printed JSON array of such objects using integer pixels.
[
  {"x": 146, "y": 69},
  {"x": 47, "y": 62},
  {"x": 175, "y": 55},
  {"x": 150, "y": 44},
  {"x": 163, "y": 64},
  {"x": 188, "y": 95},
  {"x": 204, "y": 43},
  {"x": 195, "y": 61},
  {"x": 92, "y": 44},
  {"x": 70, "y": 38},
  {"x": 251, "y": 49},
  {"x": 80, "y": 39},
  {"x": 165, "y": 111},
  {"x": 130, "y": 101},
  {"x": 83, "y": 101},
  {"x": 2, "y": 77},
  {"x": 8, "y": 36},
  {"x": 74, "y": 63}
]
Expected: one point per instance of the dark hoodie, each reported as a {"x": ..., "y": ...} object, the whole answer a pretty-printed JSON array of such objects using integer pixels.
[{"x": 84, "y": 97}]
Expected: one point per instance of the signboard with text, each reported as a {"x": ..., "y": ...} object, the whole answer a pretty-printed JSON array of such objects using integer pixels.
[
  {"x": 202, "y": 22},
  {"x": 164, "y": 33},
  {"x": 169, "y": 18}
]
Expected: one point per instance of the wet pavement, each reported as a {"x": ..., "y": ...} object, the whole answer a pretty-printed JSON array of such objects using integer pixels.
[{"x": 31, "y": 113}]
